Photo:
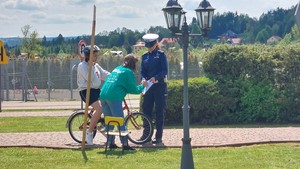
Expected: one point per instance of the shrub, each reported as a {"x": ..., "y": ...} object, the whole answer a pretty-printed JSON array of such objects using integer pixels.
[{"x": 206, "y": 106}]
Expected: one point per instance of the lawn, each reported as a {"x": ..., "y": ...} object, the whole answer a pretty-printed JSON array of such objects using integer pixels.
[
  {"x": 269, "y": 156},
  {"x": 55, "y": 124},
  {"x": 32, "y": 124}
]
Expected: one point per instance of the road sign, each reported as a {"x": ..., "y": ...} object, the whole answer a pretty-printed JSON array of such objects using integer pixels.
[
  {"x": 297, "y": 16},
  {"x": 81, "y": 45},
  {"x": 3, "y": 57}
]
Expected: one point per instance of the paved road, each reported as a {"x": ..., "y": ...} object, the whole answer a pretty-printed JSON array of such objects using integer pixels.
[
  {"x": 57, "y": 105},
  {"x": 201, "y": 137}
]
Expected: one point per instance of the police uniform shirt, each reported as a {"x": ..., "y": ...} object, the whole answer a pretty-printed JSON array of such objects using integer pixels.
[{"x": 154, "y": 64}]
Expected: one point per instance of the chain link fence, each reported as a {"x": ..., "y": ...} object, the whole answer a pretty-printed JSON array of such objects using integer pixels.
[
  {"x": 48, "y": 79},
  {"x": 54, "y": 79}
]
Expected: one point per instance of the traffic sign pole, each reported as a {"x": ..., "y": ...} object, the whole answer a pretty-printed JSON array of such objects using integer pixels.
[
  {"x": 3, "y": 60},
  {"x": 0, "y": 88}
]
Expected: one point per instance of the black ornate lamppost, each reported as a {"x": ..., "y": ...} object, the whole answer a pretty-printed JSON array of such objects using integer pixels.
[{"x": 174, "y": 14}]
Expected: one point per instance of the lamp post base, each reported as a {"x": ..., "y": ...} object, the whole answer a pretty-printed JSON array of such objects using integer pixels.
[{"x": 187, "y": 161}]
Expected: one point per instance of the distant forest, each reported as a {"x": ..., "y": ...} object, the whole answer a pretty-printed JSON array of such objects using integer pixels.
[{"x": 277, "y": 22}]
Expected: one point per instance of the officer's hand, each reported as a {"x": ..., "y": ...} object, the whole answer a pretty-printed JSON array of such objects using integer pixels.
[
  {"x": 145, "y": 83},
  {"x": 153, "y": 80}
]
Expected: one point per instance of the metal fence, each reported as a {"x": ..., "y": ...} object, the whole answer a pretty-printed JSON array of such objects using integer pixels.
[
  {"x": 50, "y": 79},
  {"x": 39, "y": 80}
]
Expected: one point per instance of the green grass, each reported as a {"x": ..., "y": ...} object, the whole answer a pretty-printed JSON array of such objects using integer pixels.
[
  {"x": 245, "y": 126},
  {"x": 34, "y": 110},
  {"x": 268, "y": 156},
  {"x": 45, "y": 124},
  {"x": 273, "y": 156},
  {"x": 32, "y": 124}
]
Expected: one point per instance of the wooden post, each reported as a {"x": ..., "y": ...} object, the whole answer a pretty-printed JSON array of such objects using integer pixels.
[{"x": 89, "y": 80}]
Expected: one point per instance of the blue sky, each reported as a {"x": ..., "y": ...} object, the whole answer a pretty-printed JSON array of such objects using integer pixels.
[{"x": 74, "y": 17}]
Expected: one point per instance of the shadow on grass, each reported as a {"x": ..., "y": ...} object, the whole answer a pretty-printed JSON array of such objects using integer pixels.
[
  {"x": 85, "y": 158},
  {"x": 234, "y": 126},
  {"x": 83, "y": 152},
  {"x": 115, "y": 152},
  {"x": 152, "y": 149}
]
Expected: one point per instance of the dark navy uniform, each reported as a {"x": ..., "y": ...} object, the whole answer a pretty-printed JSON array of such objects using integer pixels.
[{"x": 155, "y": 65}]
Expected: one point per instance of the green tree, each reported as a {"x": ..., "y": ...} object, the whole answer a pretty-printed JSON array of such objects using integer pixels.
[
  {"x": 59, "y": 40},
  {"x": 292, "y": 37},
  {"x": 193, "y": 66},
  {"x": 30, "y": 42},
  {"x": 262, "y": 36}
]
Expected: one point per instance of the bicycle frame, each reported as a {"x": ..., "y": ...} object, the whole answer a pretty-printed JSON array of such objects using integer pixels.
[
  {"x": 125, "y": 107},
  {"x": 134, "y": 119}
]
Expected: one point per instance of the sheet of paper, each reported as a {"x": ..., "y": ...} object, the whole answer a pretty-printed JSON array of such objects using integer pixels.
[{"x": 148, "y": 87}]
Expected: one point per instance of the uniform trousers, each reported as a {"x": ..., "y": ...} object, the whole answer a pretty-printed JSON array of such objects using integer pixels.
[{"x": 155, "y": 99}]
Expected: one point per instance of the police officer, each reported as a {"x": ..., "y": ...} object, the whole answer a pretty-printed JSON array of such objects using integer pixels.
[{"x": 154, "y": 67}]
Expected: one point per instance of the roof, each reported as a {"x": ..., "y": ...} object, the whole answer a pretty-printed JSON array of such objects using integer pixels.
[
  {"x": 273, "y": 39},
  {"x": 236, "y": 40},
  {"x": 167, "y": 41},
  {"x": 139, "y": 44}
]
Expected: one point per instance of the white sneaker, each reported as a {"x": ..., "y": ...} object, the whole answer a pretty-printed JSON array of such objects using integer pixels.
[{"x": 89, "y": 138}]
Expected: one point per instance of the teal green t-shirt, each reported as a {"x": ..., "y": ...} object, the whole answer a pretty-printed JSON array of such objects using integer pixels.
[{"x": 120, "y": 82}]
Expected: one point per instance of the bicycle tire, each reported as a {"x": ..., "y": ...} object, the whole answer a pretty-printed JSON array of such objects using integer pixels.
[
  {"x": 75, "y": 125},
  {"x": 140, "y": 128}
]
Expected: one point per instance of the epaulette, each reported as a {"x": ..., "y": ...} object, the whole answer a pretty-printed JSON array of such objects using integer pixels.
[{"x": 160, "y": 51}]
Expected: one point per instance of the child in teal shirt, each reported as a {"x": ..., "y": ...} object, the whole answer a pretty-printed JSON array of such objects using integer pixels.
[{"x": 118, "y": 84}]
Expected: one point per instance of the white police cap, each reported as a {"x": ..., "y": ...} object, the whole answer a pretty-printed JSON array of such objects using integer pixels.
[{"x": 149, "y": 37}]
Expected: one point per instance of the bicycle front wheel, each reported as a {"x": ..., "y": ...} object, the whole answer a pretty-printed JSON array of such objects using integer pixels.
[
  {"x": 75, "y": 125},
  {"x": 140, "y": 128}
]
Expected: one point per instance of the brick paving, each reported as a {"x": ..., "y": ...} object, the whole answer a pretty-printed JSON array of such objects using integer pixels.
[{"x": 201, "y": 137}]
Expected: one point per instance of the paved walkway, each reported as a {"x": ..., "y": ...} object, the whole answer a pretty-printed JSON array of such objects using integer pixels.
[
  {"x": 201, "y": 137},
  {"x": 57, "y": 105}
]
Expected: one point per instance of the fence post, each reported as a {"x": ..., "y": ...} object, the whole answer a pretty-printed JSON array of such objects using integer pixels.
[
  {"x": 24, "y": 90},
  {"x": 71, "y": 80},
  {"x": 49, "y": 79},
  {"x": 7, "y": 82}
]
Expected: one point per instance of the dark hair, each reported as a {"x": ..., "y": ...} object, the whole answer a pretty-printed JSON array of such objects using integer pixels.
[
  {"x": 150, "y": 44},
  {"x": 130, "y": 61},
  {"x": 87, "y": 49}
]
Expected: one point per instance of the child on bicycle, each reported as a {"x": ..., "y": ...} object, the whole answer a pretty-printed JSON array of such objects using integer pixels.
[
  {"x": 98, "y": 74},
  {"x": 120, "y": 82}
]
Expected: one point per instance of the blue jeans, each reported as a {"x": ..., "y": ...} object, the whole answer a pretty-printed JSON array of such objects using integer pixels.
[{"x": 114, "y": 109}]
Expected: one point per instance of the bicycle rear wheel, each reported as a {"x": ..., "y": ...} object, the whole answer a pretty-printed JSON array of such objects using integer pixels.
[
  {"x": 140, "y": 128},
  {"x": 75, "y": 125}
]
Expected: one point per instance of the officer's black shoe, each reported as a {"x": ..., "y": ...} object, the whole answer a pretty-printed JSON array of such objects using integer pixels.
[
  {"x": 113, "y": 146},
  {"x": 128, "y": 148},
  {"x": 156, "y": 141}
]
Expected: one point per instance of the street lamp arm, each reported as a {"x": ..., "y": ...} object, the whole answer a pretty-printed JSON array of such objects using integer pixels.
[
  {"x": 184, "y": 41},
  {"x": 192, "y": 35}
]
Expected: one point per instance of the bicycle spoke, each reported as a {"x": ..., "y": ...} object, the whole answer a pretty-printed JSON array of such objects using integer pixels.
[{"x": 139, "y": 127}]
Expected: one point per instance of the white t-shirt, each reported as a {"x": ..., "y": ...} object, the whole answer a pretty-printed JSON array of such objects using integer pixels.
[{"x": 98, "y": 74}]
